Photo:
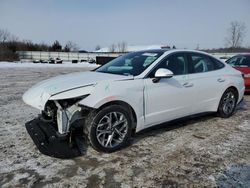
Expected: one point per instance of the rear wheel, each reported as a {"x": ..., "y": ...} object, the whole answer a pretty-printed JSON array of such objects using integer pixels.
[
  {"x": 109, "y": 129},
  {"x": 227, "y": 103}
]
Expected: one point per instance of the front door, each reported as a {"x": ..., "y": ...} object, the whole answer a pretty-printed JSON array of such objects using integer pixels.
[{"x": 170, "y": 98}]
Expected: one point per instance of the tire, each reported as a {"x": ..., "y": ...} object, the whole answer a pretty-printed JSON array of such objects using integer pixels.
[
  {"x": 108, "y": 129},
  {"x": 228, "y": 103}
]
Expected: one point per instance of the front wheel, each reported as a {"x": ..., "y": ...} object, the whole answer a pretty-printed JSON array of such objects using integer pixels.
[
  {"x": 109, "y": 129},
  {"x": 227, "y": 103}
]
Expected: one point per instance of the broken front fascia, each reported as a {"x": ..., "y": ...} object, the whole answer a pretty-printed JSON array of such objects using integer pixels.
[{"x": 65, "y": 117}]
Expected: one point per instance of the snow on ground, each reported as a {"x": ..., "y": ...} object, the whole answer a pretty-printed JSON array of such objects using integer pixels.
[
  {"x": 204, "y": 151},
  {"x": 4, "y": 64}
]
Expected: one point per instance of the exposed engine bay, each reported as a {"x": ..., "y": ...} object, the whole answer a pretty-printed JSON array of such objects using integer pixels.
[{"x": 58, "y": 131}]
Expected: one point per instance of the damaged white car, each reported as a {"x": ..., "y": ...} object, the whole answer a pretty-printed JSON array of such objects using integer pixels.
[{"x": 131, "y": 93}]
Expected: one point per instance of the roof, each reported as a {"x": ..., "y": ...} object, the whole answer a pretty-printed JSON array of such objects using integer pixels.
[
  {"x": 153, "y": 50},
  {"x": 173, "y": 50}
]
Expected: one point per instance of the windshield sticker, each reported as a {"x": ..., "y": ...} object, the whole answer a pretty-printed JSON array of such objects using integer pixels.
[{"x": 150, "y": 54}]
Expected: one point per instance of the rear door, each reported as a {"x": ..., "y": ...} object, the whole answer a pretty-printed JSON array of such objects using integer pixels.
[{"x": 208, "y": 79}]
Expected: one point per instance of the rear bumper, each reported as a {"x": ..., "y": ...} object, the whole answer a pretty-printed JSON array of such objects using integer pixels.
[
  {"x": 247, "y": 89},
  {"x": 50, "y": 143},
  {"x": 247, "y": 84}
]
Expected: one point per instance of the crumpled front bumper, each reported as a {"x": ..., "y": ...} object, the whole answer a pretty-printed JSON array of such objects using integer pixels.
[{"x": 50, "y": 143}]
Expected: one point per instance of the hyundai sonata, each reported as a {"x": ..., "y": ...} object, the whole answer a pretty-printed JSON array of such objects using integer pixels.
[{"x": 130, "y": 93}]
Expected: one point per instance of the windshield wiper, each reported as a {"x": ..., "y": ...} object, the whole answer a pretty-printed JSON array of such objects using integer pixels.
[
  {"x": 111, "y": 73},
  {"x": 127, "y": 74}
]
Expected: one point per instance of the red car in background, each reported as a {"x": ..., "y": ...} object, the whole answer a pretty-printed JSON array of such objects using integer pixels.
[{"x": 241, "y": 62}]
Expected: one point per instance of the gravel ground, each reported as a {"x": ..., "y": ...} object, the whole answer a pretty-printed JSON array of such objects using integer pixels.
[{"x": 197, "y": 152}]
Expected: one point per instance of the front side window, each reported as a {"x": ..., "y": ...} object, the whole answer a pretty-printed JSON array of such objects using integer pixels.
[
  {"x": 130, "y": 64},
  {"x": 233, "y": 61},
  {"x": 177, "y": 63}
]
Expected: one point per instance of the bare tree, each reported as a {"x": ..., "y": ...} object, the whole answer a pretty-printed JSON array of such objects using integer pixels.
[
  {"x": 122, "y": 46},
  {"x": 119, "y": 46},
  {"x": 4, "y": 35},
  {"x": 112, "y": 48},
  {"x": 236, "y": 34},
  {"x": 72, "y": 46},
  {"x": 198, "y": 46},
  {"x": 66, "y": 48},
  {"x": 56, "y": 46},
  {"x": 13, "y": 38},
  {"x": 98, "y": 47}
]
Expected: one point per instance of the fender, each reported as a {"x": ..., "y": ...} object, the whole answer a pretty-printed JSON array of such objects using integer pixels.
[{"x": 114, "y": 91}]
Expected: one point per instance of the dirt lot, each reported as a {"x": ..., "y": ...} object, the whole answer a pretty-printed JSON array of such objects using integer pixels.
[{"x": 199, "y": 152}]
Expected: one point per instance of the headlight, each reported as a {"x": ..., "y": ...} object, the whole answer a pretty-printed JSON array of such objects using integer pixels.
[
  {"x": 247, "y": 75},
  {"x": 73, "y": 93},
  {"x": 65, "y": 103},
  {"x": 49, "y": 112}
]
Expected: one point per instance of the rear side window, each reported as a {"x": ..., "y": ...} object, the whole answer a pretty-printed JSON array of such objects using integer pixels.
[
  {"x": 217, "y": 64},
  {"x": 202, "y": 63}
]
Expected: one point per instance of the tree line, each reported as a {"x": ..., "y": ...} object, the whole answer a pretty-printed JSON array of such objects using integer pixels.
[{"x": 10, "y": 44}]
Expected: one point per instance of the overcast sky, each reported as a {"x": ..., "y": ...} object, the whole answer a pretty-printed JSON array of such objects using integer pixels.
[{"x": 184, "y": 23}]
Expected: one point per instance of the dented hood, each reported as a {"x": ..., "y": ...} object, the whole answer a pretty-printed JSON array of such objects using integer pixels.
[{"x": 39, "y": 94}]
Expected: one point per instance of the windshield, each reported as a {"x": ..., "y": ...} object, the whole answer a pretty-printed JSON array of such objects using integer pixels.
[{"x": 130, "y": 64}]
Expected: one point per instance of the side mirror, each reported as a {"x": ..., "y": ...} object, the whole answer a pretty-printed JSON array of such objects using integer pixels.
[{"x": 162, "y": 73}]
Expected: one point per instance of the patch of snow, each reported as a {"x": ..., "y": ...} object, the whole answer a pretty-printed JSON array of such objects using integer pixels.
[
  {"x": 134, "y": 48},
  {"x": 4, "y": 64},
  {"x": 211, "y": 177}
]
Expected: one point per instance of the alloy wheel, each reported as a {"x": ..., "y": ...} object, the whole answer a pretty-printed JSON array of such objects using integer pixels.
[
  {"x": 112, "y": 129},
  {"x": 229, "y": 102}
]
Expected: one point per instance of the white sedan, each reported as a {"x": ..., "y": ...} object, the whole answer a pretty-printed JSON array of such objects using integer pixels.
[{"x": 136, "y": 91}]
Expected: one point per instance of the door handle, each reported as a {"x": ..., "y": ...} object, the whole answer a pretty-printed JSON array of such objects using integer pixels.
[
  {"x": 188, "y": 84},
  {"x": 221, "y": 80}
]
